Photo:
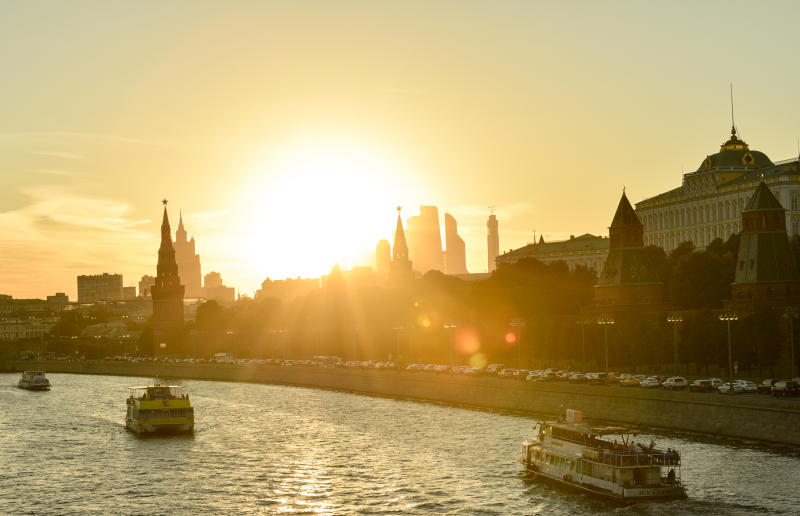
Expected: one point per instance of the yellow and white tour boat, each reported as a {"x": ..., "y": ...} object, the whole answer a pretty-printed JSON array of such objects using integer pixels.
[
  {"x": 159, "y": 408},
  {"x": 584, "y": 457}
]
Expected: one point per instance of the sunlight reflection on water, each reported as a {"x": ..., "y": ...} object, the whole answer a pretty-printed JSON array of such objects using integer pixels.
[{"x": 277, "y": 449}]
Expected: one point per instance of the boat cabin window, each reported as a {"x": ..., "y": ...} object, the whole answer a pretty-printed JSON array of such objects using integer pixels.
[{"x": 158, "y": 393}]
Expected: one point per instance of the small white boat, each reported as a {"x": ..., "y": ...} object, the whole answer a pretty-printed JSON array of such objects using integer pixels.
[
  {"x": 34, "y": 381},
  {"x": 579, "y": 456}
]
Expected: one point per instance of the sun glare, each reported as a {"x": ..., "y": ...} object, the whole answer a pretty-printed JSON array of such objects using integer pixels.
[{"x": 319, "y": 204}]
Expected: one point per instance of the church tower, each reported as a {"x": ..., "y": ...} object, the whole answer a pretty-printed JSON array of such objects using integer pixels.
[
  {"x": 167, "y": 294},
  {"x": 766, "y": 274},
  {"x": 628, "y": 280}
]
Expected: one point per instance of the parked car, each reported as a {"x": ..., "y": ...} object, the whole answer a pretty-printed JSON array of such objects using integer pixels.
[
  {"x": 508, "y": 373},
  {"x": 494, "y": 368},
  {"x": 716, "y": 382},
  {"x": 766, "y": 385},
  {"x": 725, "y": 388},
  {"x": 785, "y": 388},
  {"x": 675, "y": 383},
  {"x": 702, "y": 386},
  {"x": 747, "y": 385},
  {"x": 578, "y": 378},
  {"x": 632, "y": 381},
  {"x": 596, "y": 378},
  {"x": 650, "y": 383}
]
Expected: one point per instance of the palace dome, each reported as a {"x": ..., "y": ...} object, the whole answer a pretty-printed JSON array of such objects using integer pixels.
[{"x": 735, "y": 153}]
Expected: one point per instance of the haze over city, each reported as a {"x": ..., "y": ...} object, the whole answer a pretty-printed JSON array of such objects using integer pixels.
[{"x": 287, "y": 133}]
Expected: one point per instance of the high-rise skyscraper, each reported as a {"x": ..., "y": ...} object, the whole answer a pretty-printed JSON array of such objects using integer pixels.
[
  {"x": 188, "y": 262},
  {"x": 167, "y": 294},
  {"x": 493, "y": 241},
  {"x": 383, "y": 256},
  {"x": 455, "y": 257},
  {"x": 425, "y": 240}
]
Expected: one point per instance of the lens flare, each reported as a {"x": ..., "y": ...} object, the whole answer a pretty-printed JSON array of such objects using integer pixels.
[
  {"x": 478, "y": 361},
  {"x": 467, "y": 342}
]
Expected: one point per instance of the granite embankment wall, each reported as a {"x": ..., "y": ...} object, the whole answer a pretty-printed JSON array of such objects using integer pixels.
[{"x": 753, "y": 417}]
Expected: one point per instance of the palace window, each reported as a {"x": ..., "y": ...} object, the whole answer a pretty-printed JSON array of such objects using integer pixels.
[{"x": 795, "y": 202}]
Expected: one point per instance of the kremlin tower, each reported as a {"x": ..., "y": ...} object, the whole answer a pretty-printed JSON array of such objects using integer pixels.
[{"x": 167, "y": 294}]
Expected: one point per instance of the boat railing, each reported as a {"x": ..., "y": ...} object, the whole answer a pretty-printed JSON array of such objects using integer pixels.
[{"x": 626, "y": 459}]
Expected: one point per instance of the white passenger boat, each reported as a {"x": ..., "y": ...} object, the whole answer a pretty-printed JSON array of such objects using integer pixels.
[
  {"x": 34, "y": 381},
  {"x": 589, "y": 458}
]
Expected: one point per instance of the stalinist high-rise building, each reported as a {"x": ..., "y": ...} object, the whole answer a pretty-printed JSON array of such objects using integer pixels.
[
  {"x": 188, "y": 262},
  {"x": 493, "y": 241},
  {"x": 167, "y": 294}
]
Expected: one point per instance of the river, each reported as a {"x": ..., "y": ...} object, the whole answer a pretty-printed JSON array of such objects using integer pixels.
[{"x": 279, "y": 449}]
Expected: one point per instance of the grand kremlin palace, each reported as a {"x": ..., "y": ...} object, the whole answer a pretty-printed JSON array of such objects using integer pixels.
[
  {"x": 707, "y": 206},
  {"x": 709, "y": 203}
]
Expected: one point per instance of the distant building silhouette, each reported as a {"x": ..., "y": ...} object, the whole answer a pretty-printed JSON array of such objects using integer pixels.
[
  {"x": 455, "y": 256},
  {"x": 214, "y": 289},
  {"x": 585, "y": 250},
  {"x": 167, "y": 293},
  {"x": 383, "y": 256},
  {"x": 145, "y": 284},
  {"x": 58, "y": 301},
  {"x": 425, "y": 240},
  {"x": 493, "y": 242},
  {"x": 188, "y": 262},
  {"x": 628, "y": 281},
  {"x": 287, "y": 289},
  {"x": 401, "y": 265},
  {"x": 99, "y": 287},
  {"x": 766, "y": 273},
  {"x": 129, "y": 292}
]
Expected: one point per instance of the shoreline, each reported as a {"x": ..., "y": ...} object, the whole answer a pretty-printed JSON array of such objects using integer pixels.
[{"x": 759, "y": 418}]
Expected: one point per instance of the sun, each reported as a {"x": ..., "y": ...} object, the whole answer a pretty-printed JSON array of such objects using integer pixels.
[{"x": 315, "y": 204}]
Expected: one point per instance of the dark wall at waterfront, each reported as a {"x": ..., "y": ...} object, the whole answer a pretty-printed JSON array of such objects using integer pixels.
[{"x": 761, "y": 418}]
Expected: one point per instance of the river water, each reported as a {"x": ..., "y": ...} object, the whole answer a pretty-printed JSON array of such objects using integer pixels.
[{"x": 278, "y": 449}]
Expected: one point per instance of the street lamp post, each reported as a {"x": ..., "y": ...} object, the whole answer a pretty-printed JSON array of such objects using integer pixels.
[
  {"x": 791, "y": 314},
  {"x": 397, "y": 328},
  {"x": 582, "y": 323},
  {"x": 517, "y": 323},
  {"x": 605, "y": 321},
  {"x": 675, "y": 318},
  {"x": 728, "y": 317},
  {"x": 450, "y": 325}
]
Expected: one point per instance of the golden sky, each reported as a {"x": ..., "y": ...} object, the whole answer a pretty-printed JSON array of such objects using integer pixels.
[{"x": 287, "y": 132}]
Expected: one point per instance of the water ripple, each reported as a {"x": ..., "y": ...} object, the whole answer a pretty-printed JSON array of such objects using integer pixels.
[{"x": 276, "y": 449}]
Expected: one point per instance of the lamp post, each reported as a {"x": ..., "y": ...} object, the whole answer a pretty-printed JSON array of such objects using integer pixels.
[
  {"x": 605, "y": 321},
  {"x": 791, "y": 314},
  {"x": 582, "y": 323},
  {"x": 397, "y": 328},
  {"x": 728, "y": 317},
  {"x": 450, "y": 325},
  {"x": 517, "y": 323},
  {"x": 675, "y": 318}
]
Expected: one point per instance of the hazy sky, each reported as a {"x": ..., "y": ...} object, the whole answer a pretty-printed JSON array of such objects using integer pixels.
[{"x": 287, "y": 132}]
